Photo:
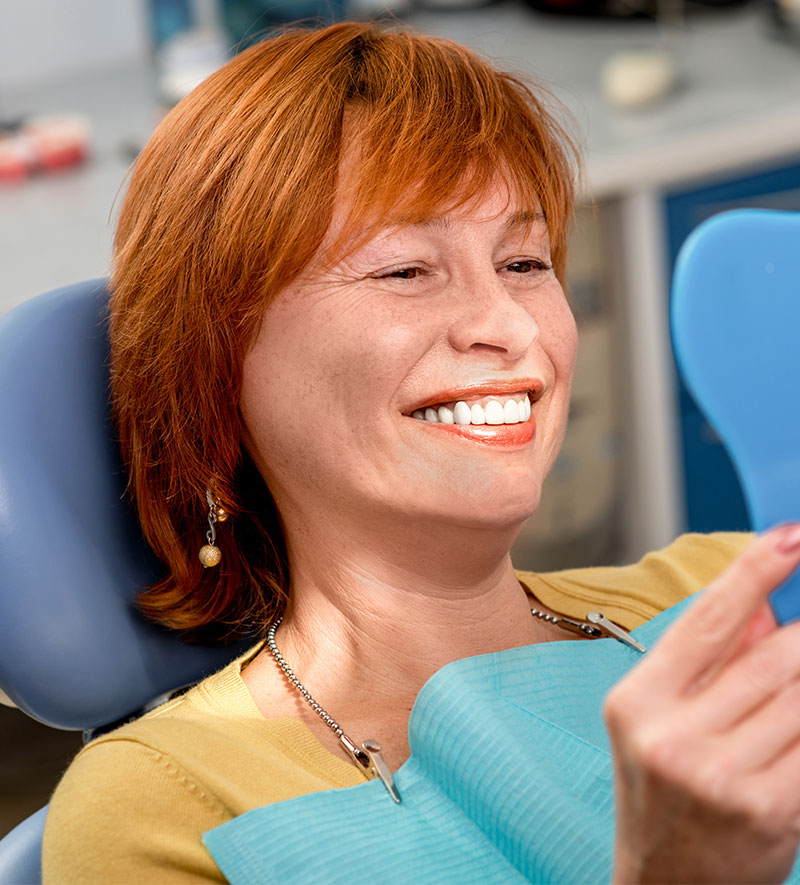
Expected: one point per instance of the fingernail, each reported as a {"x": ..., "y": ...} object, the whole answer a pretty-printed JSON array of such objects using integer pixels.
[{"x": 788, "y": 539}]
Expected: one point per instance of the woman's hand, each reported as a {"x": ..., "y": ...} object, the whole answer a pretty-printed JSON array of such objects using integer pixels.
[{"x": 706, "y": 735}]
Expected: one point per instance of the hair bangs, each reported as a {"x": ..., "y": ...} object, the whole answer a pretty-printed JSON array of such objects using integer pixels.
[{"x": 434, "y": 127}]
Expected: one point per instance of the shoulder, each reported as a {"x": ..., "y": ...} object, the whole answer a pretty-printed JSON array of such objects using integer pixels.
[
  {"x": 135, "y": 802},
  {"x": 113, "y": 818},
  {"x": 632, "y": 594}
]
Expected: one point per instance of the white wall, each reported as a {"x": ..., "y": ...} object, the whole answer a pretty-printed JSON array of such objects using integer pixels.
[{"x": 43, "y": 40}]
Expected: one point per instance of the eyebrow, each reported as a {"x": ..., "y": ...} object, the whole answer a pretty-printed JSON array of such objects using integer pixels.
[
  {"x": 517, "y": 219},
  {"x": 526, "y": 216}
]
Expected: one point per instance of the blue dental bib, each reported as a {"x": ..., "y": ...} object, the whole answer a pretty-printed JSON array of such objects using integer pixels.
[{"x": 510, "y": 780}]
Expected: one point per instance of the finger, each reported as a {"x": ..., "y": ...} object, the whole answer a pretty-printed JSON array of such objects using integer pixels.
[
  {"x": 717, "y": 621},
  {"x": 761, "y": 738},
  {"x": 762, "y": 623},
  {"x": 757, "y": 675},
  {"x": 772, "y": 793}
]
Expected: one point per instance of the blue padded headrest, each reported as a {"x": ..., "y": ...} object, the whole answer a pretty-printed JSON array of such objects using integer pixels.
[{"x": 74, "y": 653}]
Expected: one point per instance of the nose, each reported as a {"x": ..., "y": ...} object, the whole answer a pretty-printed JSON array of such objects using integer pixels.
[{"x": 489, "y": 318}]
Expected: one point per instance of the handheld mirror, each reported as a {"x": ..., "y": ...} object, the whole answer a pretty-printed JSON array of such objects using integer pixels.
[{"x": 736, "y": 334}]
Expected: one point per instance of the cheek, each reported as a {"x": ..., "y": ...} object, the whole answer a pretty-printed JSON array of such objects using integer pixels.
[
  {"x": 560, "y": 339},
  {"x": 277, "y": 387},
  {"x": 333, "y": 362},
  {"x": 569, "y": 348}
]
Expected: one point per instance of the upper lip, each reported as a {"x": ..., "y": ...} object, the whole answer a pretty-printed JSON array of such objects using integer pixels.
[{"x": 532, "y": 386}]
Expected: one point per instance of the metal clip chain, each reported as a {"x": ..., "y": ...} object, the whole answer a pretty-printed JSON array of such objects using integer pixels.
[
  {"x": 368, "y": 756},
  {"x": 596, "y": 625}
]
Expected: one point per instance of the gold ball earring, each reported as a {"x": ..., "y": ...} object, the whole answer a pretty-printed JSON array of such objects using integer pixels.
[{"x": 210, "y": 555}]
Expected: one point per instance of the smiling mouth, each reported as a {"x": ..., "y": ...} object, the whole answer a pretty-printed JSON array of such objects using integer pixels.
[{"x": 494, "y": 410}]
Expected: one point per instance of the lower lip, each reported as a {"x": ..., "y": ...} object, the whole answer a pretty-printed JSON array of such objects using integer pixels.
[{"x": 504, "y": 435}]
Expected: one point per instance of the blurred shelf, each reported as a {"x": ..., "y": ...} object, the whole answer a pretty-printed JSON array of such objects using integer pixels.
[{"x": 738, "y": 102}]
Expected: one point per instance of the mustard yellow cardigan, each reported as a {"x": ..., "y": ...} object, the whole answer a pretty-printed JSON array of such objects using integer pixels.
[{"x": 133, "y": 804}]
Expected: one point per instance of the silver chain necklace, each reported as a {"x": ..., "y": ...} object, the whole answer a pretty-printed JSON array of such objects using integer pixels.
[{"x": 368, "y": 756}]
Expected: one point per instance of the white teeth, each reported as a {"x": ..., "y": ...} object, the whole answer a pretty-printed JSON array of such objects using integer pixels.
[
  {"x": 511, "y": 412},
  {"x": 445, "y": 415},
  {"x": 494, "y": 412},
  {"x": 461, "y": 413}
]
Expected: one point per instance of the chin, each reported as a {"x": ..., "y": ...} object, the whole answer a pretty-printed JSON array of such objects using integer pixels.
[{"x": 508, "y": 512}]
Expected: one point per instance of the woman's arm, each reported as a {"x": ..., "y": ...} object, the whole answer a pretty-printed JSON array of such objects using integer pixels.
[
  {"x": 706, "y": 735},
  {"x": 125, "y": 812}
]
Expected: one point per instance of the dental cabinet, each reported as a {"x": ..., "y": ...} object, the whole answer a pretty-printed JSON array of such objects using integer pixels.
[{"x": 638, "y": 464}]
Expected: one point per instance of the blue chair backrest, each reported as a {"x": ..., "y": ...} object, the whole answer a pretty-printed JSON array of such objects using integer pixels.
[
  {"x": 21, "y": 852},
  {"x": 736, "y": 332},
  {"x": 74, "y": 652}
]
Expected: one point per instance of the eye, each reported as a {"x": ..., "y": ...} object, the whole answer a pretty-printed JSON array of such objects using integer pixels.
[
  {"x": 402, "y": 273},
  {"x": 529, "y": 265}
]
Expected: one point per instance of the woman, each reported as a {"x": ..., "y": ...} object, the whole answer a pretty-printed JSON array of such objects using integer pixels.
[{"x": 341, "y": 361}]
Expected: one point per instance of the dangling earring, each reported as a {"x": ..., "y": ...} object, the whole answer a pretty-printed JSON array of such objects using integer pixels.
[{"x": 210, "y": 555}]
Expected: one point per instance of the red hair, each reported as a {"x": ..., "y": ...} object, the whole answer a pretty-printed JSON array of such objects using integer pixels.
[{"x": 227, "y": 203}]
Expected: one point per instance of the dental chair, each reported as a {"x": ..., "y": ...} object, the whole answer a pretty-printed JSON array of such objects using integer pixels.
[
  {"x": 74, "y": 653},
  {"x": 736, "y": 333}
]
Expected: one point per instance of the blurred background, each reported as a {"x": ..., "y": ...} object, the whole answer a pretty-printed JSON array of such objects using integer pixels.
[{"x": 685, "y": 109}]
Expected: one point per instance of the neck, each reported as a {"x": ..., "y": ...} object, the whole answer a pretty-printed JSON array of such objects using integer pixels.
[{"x": 368, "y": 623}]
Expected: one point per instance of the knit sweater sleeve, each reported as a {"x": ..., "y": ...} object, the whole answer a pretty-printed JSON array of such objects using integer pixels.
[{"x": 125, "y": 812}]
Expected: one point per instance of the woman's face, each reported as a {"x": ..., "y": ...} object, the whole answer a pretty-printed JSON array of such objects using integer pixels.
[{"x": 419, "y": 318}]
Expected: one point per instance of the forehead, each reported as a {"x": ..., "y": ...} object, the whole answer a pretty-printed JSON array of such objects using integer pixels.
[
  {"x": 519, "y": 218},
  {"x": 352, "y": 225}
]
